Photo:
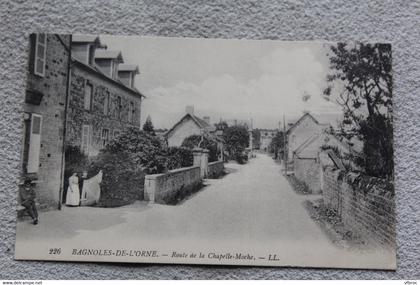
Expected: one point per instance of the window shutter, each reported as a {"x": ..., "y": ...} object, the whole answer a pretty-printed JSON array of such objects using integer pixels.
[
  {"x": 40, "y": 54},
  {"x": 85, "y": 139},
  {"x": 88, "y": 96},
  {"x": 34, "y": 144}
]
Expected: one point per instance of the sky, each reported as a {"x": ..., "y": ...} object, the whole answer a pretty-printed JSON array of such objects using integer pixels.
[{"x": 227, "y": 79}]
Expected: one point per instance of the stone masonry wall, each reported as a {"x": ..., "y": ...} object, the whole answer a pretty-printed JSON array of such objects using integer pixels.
[
  {"x": 308, "y": 171},
  {"x": 166, "y": 188},
  {"x": 96, "y": 118},
  {"x": 215, "y": 169},
  {"x": 365, "y": 205},
  {"x": 53, "y": 86}
]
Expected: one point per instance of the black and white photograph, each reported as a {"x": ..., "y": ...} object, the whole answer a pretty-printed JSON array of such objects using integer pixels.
[{"x": 207, "y": 151}]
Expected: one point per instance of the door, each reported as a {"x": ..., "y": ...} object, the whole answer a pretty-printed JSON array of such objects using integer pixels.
[{"x": 34, "y": 144}]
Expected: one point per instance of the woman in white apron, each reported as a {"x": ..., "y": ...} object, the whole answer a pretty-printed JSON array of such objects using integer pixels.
[{"x": 73, "y": 193}]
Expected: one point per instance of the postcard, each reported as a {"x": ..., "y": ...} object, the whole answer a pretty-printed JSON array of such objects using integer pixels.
[{"x": 207, "y": 151}]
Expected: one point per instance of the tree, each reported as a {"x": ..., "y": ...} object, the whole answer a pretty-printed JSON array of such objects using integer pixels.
[
  {"x": 148, "y": 126},
  {"x": 277, "y": 144},
  {"x": 363, "y": 75},
  {"x": 236, "y": 139},
  {"x": 256, "y": 137},
  {"x": 145, "y": 149},
  {"x": 206, "y": 142},
  {"x": 221, "y": 126}
]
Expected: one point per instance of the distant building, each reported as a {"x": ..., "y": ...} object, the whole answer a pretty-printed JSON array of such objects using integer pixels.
[
  {"x": 266, "y": 136},
  {"x": 243, "y": 123},
  {"x": 188, "y": 125},
  {"x": 103, "y": 100},
  {"x": 44, "y": 115}
]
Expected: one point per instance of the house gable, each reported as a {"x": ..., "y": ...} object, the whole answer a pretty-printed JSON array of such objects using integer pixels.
[
  {"x": 304, "y": 129},
  {"x": 186, "y": 127}
]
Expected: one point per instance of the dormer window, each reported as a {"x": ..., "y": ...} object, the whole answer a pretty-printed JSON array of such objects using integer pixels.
[
  {"x": 127, "y": 73},
  {"x": 40, "y": 54},
  {"x": 83, "y": 48},
  {"x": 108, "y": 62}
]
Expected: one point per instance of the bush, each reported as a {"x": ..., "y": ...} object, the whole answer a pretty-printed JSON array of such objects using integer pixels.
[
  {"x": 122, "y": 180},
  {"x": 236, "y": 140},
  {"x": 192, "y": 142},
  {"x": 178, "y": 157},
  {"x": 145, "y": 150},
  {"x": 241, "y": 158},
  {"x": 377, "y": 133}
]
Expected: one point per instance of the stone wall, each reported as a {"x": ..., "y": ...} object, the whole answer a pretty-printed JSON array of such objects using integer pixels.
[
  {"x": 168, "y": 188},
  {"x": 53, "y": 88},
  {"x": 97, "y": 118},
  {"x": 365, "y": 205},
  {"x": 307, "y": 170},
  {"x": 215, "y": 169}
]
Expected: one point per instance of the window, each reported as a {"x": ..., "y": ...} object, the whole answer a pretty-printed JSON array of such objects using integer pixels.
[
  {"x": 106, "y": 103},
  {"x": 86, "y": 139},
  {"x": 40, "y": 54},
  {"x": 116, "y": 133},
  {"x": 34, "y": 144},
  {"x": 105, "y": 137},
  {"x": 131, "y": 112},
  {"x": 88, "y": 96},
  {"x": 119, "y": 107},
  {"x": 111, "y": 69}
]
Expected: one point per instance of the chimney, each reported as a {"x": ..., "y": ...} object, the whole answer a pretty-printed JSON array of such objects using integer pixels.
[
  {"x": 189, "y": 109},
  {"x": 207, "y": 119}
]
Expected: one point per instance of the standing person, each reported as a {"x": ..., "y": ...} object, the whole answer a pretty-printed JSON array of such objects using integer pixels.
[
  {"x": 27, "y": 195},
  {"x": 73, "y": 193}
]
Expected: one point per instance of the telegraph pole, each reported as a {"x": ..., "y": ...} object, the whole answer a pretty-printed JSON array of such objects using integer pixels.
[
  {"x": 251, "y": 139},
  {"x": 284, "y": 145}
]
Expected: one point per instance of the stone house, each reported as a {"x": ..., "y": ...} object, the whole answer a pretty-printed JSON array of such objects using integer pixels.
[
  {"x": 298, "y": 133},
  {"x": 188, "y": 125},
  {"x": 44, "y": 115},
  {"x": 103, "y": 100},
  {"x": 265, "y": 138},
  {"x": 314, "y": 154}
]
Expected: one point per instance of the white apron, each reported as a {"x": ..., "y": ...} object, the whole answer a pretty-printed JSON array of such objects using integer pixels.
[{"x": 73, "y": 193}]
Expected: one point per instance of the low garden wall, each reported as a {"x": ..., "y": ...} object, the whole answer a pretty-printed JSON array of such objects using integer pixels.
[
  {"x": 215, "y": 169},
  {"x": 365, "y": 204},
  {"x": 170, "y": 187}
]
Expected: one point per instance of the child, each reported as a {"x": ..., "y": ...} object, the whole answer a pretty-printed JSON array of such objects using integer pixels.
[{"x": 27, "y": 195}]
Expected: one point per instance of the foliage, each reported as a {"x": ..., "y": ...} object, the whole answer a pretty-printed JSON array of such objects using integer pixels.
[
  {"x": 178, "y": 157},
  {"x": 221, "y": 126},
  {"x": 277, "y": 144},
  {"x": 363, "y": 74},
  {"x": 145, "y": 149},
  {"x": 241, "y": 158},
  {"x": 148, "y": 126},
  {"x": 122, "y": 179},
  {"x": 236, "y": 140},
  {"x": 256, "y": 137},
  {"x": 206, "y": 142}
]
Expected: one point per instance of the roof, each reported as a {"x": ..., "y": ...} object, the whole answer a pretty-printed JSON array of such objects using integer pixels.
[
  {"x": 85, "y": 39},
  {"x": 108, "y": 54},
  {"x": 303, "y": 150},
  {"x": 306, "y": 115},
  {"x": 94, "y": 68},
  {"x": 198, "y": 121},
  {"x": 129, "y": 67}
]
